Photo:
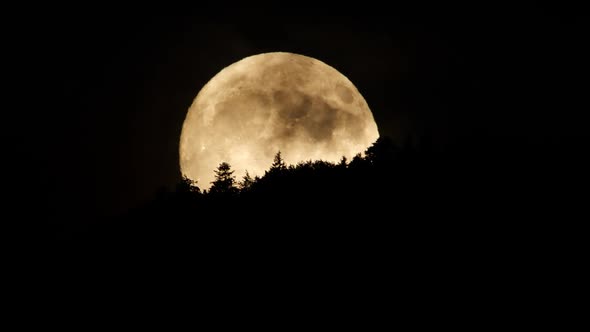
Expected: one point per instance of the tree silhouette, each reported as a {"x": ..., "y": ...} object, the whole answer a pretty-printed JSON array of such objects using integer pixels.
[
  {"x": 382, "y": 152},
  {"x": 187, "y": 186},
  {"x": 278, "y": 164},
  {"x": 224, "y": 180},
  {"x": 343, "y": 162},
  {"x": 247, "y": 182},
  {"x": 358, "y": 162}
]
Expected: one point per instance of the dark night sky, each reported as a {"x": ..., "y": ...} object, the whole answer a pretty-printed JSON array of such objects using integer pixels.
[{"x": 105, "y": 90}]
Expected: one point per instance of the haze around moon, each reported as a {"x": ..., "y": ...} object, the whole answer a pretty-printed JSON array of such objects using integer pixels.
[{"x": 269, "y": 102}]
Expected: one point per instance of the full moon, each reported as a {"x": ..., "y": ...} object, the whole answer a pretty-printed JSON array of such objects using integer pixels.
[{"x": 273, "y": 102}]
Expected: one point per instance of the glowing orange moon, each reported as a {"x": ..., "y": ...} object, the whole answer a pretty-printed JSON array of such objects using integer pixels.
[{"x": 270, "y": 102}]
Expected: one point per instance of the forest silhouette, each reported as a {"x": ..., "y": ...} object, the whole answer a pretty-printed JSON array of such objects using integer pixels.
[
  {"x": 478, "y": 222},
  {"x": 473, "y": 192}
]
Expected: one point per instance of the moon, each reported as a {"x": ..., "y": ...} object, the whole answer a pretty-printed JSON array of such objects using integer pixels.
[{"x": 269, "y": 102}]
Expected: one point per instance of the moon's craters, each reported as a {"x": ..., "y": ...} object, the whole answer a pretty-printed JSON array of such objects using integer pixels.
[
  {"x": 273, "y": 101},
  {"x": 344, "y": 94},
  {"x": 292, "y": 105}
]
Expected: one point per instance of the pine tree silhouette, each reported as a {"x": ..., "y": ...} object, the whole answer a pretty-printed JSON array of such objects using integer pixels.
[
  {"x": 247, "y": 182},
  {"x": 224, "y": 180},
  {"x": 278, "y": 164}
]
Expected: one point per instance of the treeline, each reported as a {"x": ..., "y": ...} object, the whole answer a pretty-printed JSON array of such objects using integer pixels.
[
  {"x": 474, "y": 189},
  {"x": 415, "y": 215}
]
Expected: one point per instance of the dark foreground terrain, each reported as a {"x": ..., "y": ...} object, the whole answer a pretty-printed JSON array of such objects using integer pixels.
[{"x": 484, "y": 231}]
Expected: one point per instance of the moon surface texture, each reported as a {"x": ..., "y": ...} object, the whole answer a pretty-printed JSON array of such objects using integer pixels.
[{"x": 269, "y": 102}]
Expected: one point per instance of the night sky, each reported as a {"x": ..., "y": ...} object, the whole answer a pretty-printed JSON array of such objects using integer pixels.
[{"x": 104, "y": 90}]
